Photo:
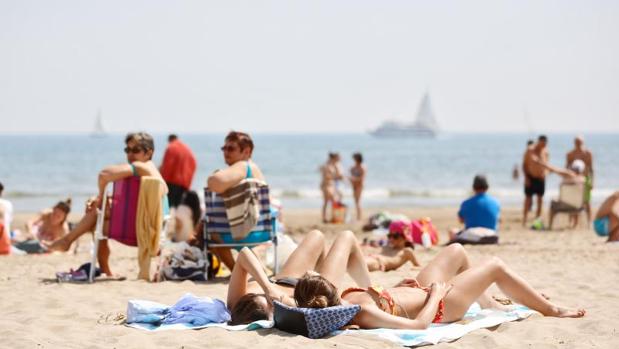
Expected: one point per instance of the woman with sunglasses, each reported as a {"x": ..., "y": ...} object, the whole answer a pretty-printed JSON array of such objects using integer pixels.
[
  {"x": 237, "y": 151},
  {"x": 139, "y": 148},
  {"x": 398, "y": 251}
]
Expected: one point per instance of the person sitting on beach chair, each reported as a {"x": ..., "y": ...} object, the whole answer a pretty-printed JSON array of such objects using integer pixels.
[
  {"x": 47, "y": 227},
  {"x": 480, "y": 215},
  {"x": 139, "y": 149},
  {"x": 237, "y": 151},
  {"x": 250, "y": 301},
  {"x": 606, "y": 221},
  {"x": 571, "y": 192}
]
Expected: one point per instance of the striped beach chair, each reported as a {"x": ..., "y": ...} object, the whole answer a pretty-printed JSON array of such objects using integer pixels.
[{"x": 216, "y": 223}]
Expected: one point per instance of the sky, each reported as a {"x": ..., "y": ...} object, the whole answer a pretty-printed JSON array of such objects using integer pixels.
[{"x": 308, "y": 66}]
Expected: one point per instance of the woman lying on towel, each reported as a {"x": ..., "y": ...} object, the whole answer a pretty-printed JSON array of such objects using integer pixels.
[
  {"x": 47, "y": 227},
  {"x": 139, "y": 149},
  {"x": 453, "y": 286},
  {"x": 398, "y": 251},
  {"x": 250, "y": 300}
]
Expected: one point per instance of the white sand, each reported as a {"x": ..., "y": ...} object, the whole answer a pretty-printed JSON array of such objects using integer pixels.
[{"x": 575, "y": 268}]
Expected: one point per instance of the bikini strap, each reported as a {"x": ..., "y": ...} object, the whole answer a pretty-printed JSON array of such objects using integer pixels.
[{"x": 248, "y": 173}]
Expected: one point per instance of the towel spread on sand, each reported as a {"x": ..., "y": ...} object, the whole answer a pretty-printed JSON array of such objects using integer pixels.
[
  {"x": 189, "y": 312},
  {"x": 475, "y": 318},
  {"x": 148, "y": 223}
]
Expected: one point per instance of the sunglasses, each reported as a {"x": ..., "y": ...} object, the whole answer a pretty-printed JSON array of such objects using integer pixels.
[
  {"x": 133, "y": 150},
  {"x": 228, "y": 148},
  {"x": 394, "y": 236}
]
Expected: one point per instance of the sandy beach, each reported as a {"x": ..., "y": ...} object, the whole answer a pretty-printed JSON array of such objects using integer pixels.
[{"x": 574, "y": 268}]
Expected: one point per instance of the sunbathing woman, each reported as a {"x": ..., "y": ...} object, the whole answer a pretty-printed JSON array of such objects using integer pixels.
[
  {"x": 47, "y": 227},
  {"x": 249, "y": 301},
  {"x": 139, "y": 149},
  {"x": 398, "y": 252},
  {"x": 410, "y": 306}
]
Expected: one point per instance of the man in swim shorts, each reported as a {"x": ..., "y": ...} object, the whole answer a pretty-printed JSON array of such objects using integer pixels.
[
  {"x": 580, "y": 152},
  {"x": 534, "y": 176}
]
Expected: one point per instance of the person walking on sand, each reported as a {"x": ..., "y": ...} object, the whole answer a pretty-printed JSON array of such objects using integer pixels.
[
  {"x": 177, "y": 169},
  {"x": 581, "y": 153},
  {"x": 357, "y": 178},
  {"x": 534, "y": 176}
]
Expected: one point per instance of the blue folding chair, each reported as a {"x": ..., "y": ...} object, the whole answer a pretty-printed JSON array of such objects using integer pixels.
[{"x": 216, "y": 223}]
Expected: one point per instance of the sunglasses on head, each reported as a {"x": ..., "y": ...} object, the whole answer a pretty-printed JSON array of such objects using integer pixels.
[
  {"x": 133, "y": 150},
  {"x": 228, "y": 148},
  {"x": 394, "y": 236}
]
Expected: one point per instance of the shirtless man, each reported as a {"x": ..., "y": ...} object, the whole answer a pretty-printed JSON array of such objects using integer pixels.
[
  {"x": 606, "y": 221},
  {"x": 534, "y": 176},
  {"x": 581, "y": 153}
]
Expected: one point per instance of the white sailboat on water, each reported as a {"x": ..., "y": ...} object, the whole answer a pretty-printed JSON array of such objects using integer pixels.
[
  {"x": 425, "y": 124},
  {"x": 99, "y": 130}
]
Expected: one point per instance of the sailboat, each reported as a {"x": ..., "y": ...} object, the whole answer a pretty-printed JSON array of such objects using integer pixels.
[
  {"x": 99, "y": 130},
  {"x": 425, "y": 125}
]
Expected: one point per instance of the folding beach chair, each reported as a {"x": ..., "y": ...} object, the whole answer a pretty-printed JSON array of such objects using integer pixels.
[
  {"x": 216, "y": 223},
  {"x": 571, "y": 200},
  {"x": 123, "y": 216}
]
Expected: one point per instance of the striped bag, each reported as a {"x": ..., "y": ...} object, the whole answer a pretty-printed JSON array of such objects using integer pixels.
[{"x": 240, "y": 210}]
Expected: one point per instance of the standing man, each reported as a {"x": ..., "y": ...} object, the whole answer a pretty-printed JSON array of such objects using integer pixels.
[
  {"x": 534, "y": 176},
  {"x": 581, "y": 153},
  {"x": 177, "y": 169}
]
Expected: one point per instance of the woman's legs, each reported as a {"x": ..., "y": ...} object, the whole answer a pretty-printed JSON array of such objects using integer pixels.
[
  {"x": 451, "y": 261},
  {"x": 471, "y": 284},
  {"x": 307, "y": 256},
  {"x": 327, "y": 198},
  {"x": 85, "y": 225},
  {"x": 345, "y": 251},
  {"x": 357, "y": 196}
]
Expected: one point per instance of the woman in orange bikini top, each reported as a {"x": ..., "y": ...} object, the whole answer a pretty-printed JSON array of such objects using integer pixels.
[{"x": 385, "y": 302}]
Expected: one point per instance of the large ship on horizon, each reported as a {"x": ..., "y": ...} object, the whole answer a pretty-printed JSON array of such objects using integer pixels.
[{"x": 424, "y": 126}]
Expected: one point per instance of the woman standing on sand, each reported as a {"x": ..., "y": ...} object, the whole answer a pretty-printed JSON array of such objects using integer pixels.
[
  {"x": 331, "y": 173},
  {"x": 357, "y": 177}
]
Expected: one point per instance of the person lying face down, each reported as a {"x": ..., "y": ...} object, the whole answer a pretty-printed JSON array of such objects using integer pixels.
[
  {"x": 249, "y": 301},
  {"x": 453, "y": 286}
]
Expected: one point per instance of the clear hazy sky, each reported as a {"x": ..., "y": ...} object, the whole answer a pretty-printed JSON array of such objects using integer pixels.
[{"x": 307, "y": 66}]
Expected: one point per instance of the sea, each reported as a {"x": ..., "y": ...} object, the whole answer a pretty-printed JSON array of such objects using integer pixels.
[{"x": 39, "y": 170}]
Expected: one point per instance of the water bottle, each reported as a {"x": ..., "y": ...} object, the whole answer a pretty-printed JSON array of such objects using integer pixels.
[{"x": 426, "y": 240}]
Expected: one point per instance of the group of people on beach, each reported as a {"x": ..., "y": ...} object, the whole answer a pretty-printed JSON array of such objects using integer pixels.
[
  {"x": 313, "y": 274},
  {"x": 332, "y": 179},
  {"x": 578, "y": 171}
]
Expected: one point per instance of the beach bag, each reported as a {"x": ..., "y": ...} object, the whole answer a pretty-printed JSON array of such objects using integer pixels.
[
  {"x": 338, "y": 213},
  {"x": 419, "y": 226}
]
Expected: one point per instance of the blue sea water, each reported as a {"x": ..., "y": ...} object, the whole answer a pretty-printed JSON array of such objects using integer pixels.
[{"x": 38, "y": 170}]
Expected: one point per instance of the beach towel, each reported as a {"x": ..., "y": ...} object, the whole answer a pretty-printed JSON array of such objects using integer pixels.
[
  {"x": 148, "y": 222},
  {"x": 242, "y": 204},
  {"x": 124, "y": 210},
  {"x": 217, "y": 221},
  {"x": 475, "y": 318},
  {"x": 190, "y": 312}
]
